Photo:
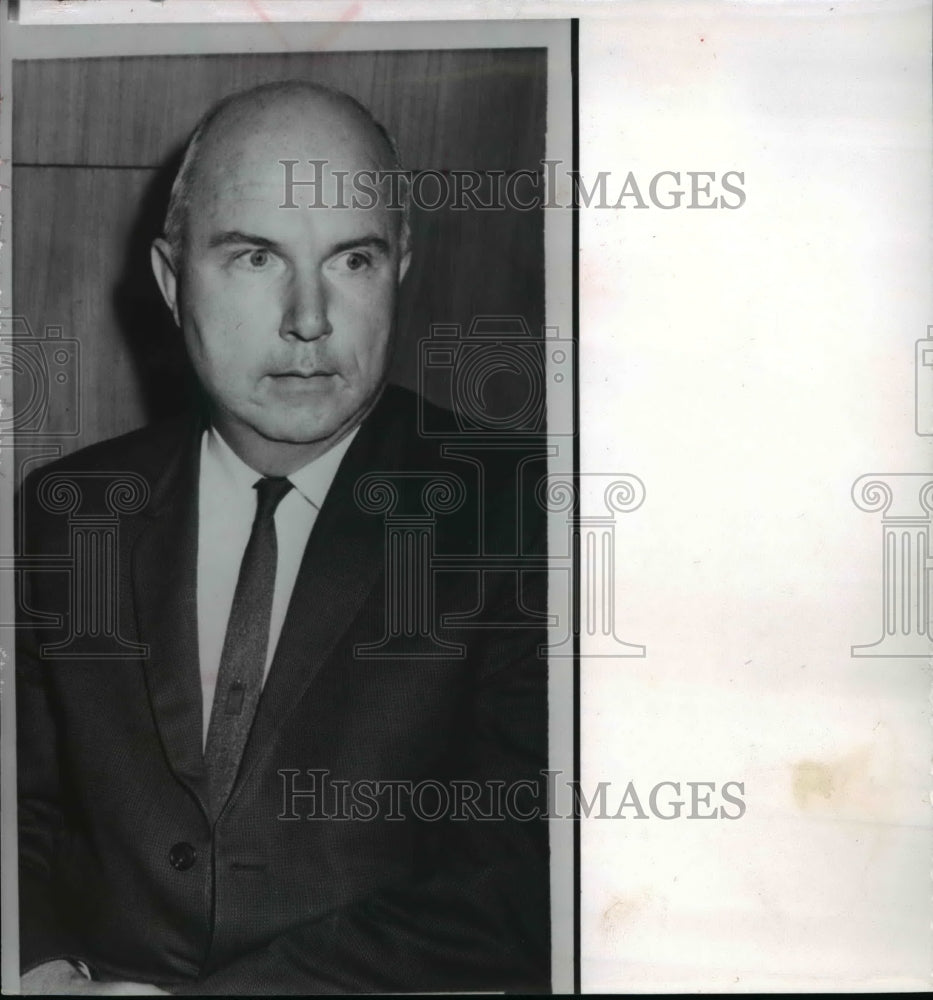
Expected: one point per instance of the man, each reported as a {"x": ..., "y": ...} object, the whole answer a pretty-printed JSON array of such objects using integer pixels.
[{"x": 184, "y": 816}]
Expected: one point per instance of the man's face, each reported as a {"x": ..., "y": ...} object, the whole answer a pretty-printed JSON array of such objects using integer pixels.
[{"x": 287, "y": 313}]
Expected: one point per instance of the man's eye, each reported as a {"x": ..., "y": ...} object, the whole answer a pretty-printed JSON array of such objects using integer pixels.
[
  {"x": 258, "y": 258},
  {"x": 356, "y": 261}
]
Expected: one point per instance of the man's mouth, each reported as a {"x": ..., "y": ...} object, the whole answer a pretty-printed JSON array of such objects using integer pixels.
[
  {"x": 297, "y": 373},
  {"x": 295, "y": 382}
]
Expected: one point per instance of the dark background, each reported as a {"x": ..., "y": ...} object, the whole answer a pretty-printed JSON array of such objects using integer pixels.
[{"x": 95, "y": 146}]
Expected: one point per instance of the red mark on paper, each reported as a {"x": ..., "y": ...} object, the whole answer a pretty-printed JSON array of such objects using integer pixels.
[{"x": 350, "y": 14}]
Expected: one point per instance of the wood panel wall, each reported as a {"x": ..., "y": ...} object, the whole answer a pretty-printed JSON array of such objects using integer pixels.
[{"x": 95, "y": 145}]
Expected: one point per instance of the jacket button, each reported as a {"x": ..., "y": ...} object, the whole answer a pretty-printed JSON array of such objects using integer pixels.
[{"x": 182, "y": 856}]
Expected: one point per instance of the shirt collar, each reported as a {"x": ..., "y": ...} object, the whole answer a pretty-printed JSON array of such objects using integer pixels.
[{"x": 312, "y": 481}]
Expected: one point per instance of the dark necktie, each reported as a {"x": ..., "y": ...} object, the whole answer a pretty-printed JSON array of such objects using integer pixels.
[{"x": 243, "y": 660}]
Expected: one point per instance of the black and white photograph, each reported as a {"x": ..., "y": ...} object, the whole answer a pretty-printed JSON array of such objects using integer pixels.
[
  {"x": 281, "y": 370},
  {"x": 466, "y": 506}
]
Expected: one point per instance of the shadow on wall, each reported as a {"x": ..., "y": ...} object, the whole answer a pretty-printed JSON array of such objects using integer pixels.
[{"x": 165, "y": 376}]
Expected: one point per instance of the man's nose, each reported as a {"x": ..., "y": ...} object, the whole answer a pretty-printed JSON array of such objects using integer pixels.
[{"x": 305, "y": 313}]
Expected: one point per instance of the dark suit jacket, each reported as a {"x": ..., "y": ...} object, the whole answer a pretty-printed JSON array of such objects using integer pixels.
[{"x": 119, "y": 864}]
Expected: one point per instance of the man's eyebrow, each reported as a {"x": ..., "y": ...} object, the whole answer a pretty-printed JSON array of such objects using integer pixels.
[
  {"x": 235, "y": 237},
  {"x": 232, "y": 237},
  {"x": 370, "y": 240}
]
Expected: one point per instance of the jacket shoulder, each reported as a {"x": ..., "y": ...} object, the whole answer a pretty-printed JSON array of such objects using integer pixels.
[
  {"x": 142, "y": 451},
  {"x": 132, "y": 464},
  {"x": 415, "y": 415},
  {"x": 500, "y": 474}
]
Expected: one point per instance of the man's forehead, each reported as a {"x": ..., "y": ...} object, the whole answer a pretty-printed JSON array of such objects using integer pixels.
[
  {"x": 258, "y": 136},
  {"x": 274, "y": 168},
  {"x": 307, "y": 166},
  {"x": 277, "y": 166},
  {"x": 226, "y": 205},
  {"x": 263, "y": 193},
  {"x": 256, "y": 208}
]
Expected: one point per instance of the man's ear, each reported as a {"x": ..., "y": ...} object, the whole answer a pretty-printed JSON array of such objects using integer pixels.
[{"x": 163, "y": 267}]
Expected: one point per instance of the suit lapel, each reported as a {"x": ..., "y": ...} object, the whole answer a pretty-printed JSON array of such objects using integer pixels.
[
  {"x": 164, "y": 568},
  {"x": 341, "y": 564}
]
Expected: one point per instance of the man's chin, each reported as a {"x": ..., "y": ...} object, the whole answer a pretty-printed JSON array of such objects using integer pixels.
[
  {"x": 302, "y": 434},
  {"x": 308, "y": 428},
  {"x": 308, "y": 423}
]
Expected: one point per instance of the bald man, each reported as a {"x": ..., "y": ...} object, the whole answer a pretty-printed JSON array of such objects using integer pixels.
[{"x": 269, "y": 788}]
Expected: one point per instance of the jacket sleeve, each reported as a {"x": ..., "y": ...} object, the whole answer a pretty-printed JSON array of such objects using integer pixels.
[
  {"x": 43, "y": 931},
  {"x": 480, "y": 920}
]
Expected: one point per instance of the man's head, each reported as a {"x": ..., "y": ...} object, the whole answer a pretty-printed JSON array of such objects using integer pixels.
[{"x": 287, "y": 313}]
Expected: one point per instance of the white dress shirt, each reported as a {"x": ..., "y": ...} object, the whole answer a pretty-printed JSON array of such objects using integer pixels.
[{"x": 226, "y": 508}]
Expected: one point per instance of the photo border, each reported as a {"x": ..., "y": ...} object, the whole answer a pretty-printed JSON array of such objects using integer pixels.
[{"x": 561, "y": 241}]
